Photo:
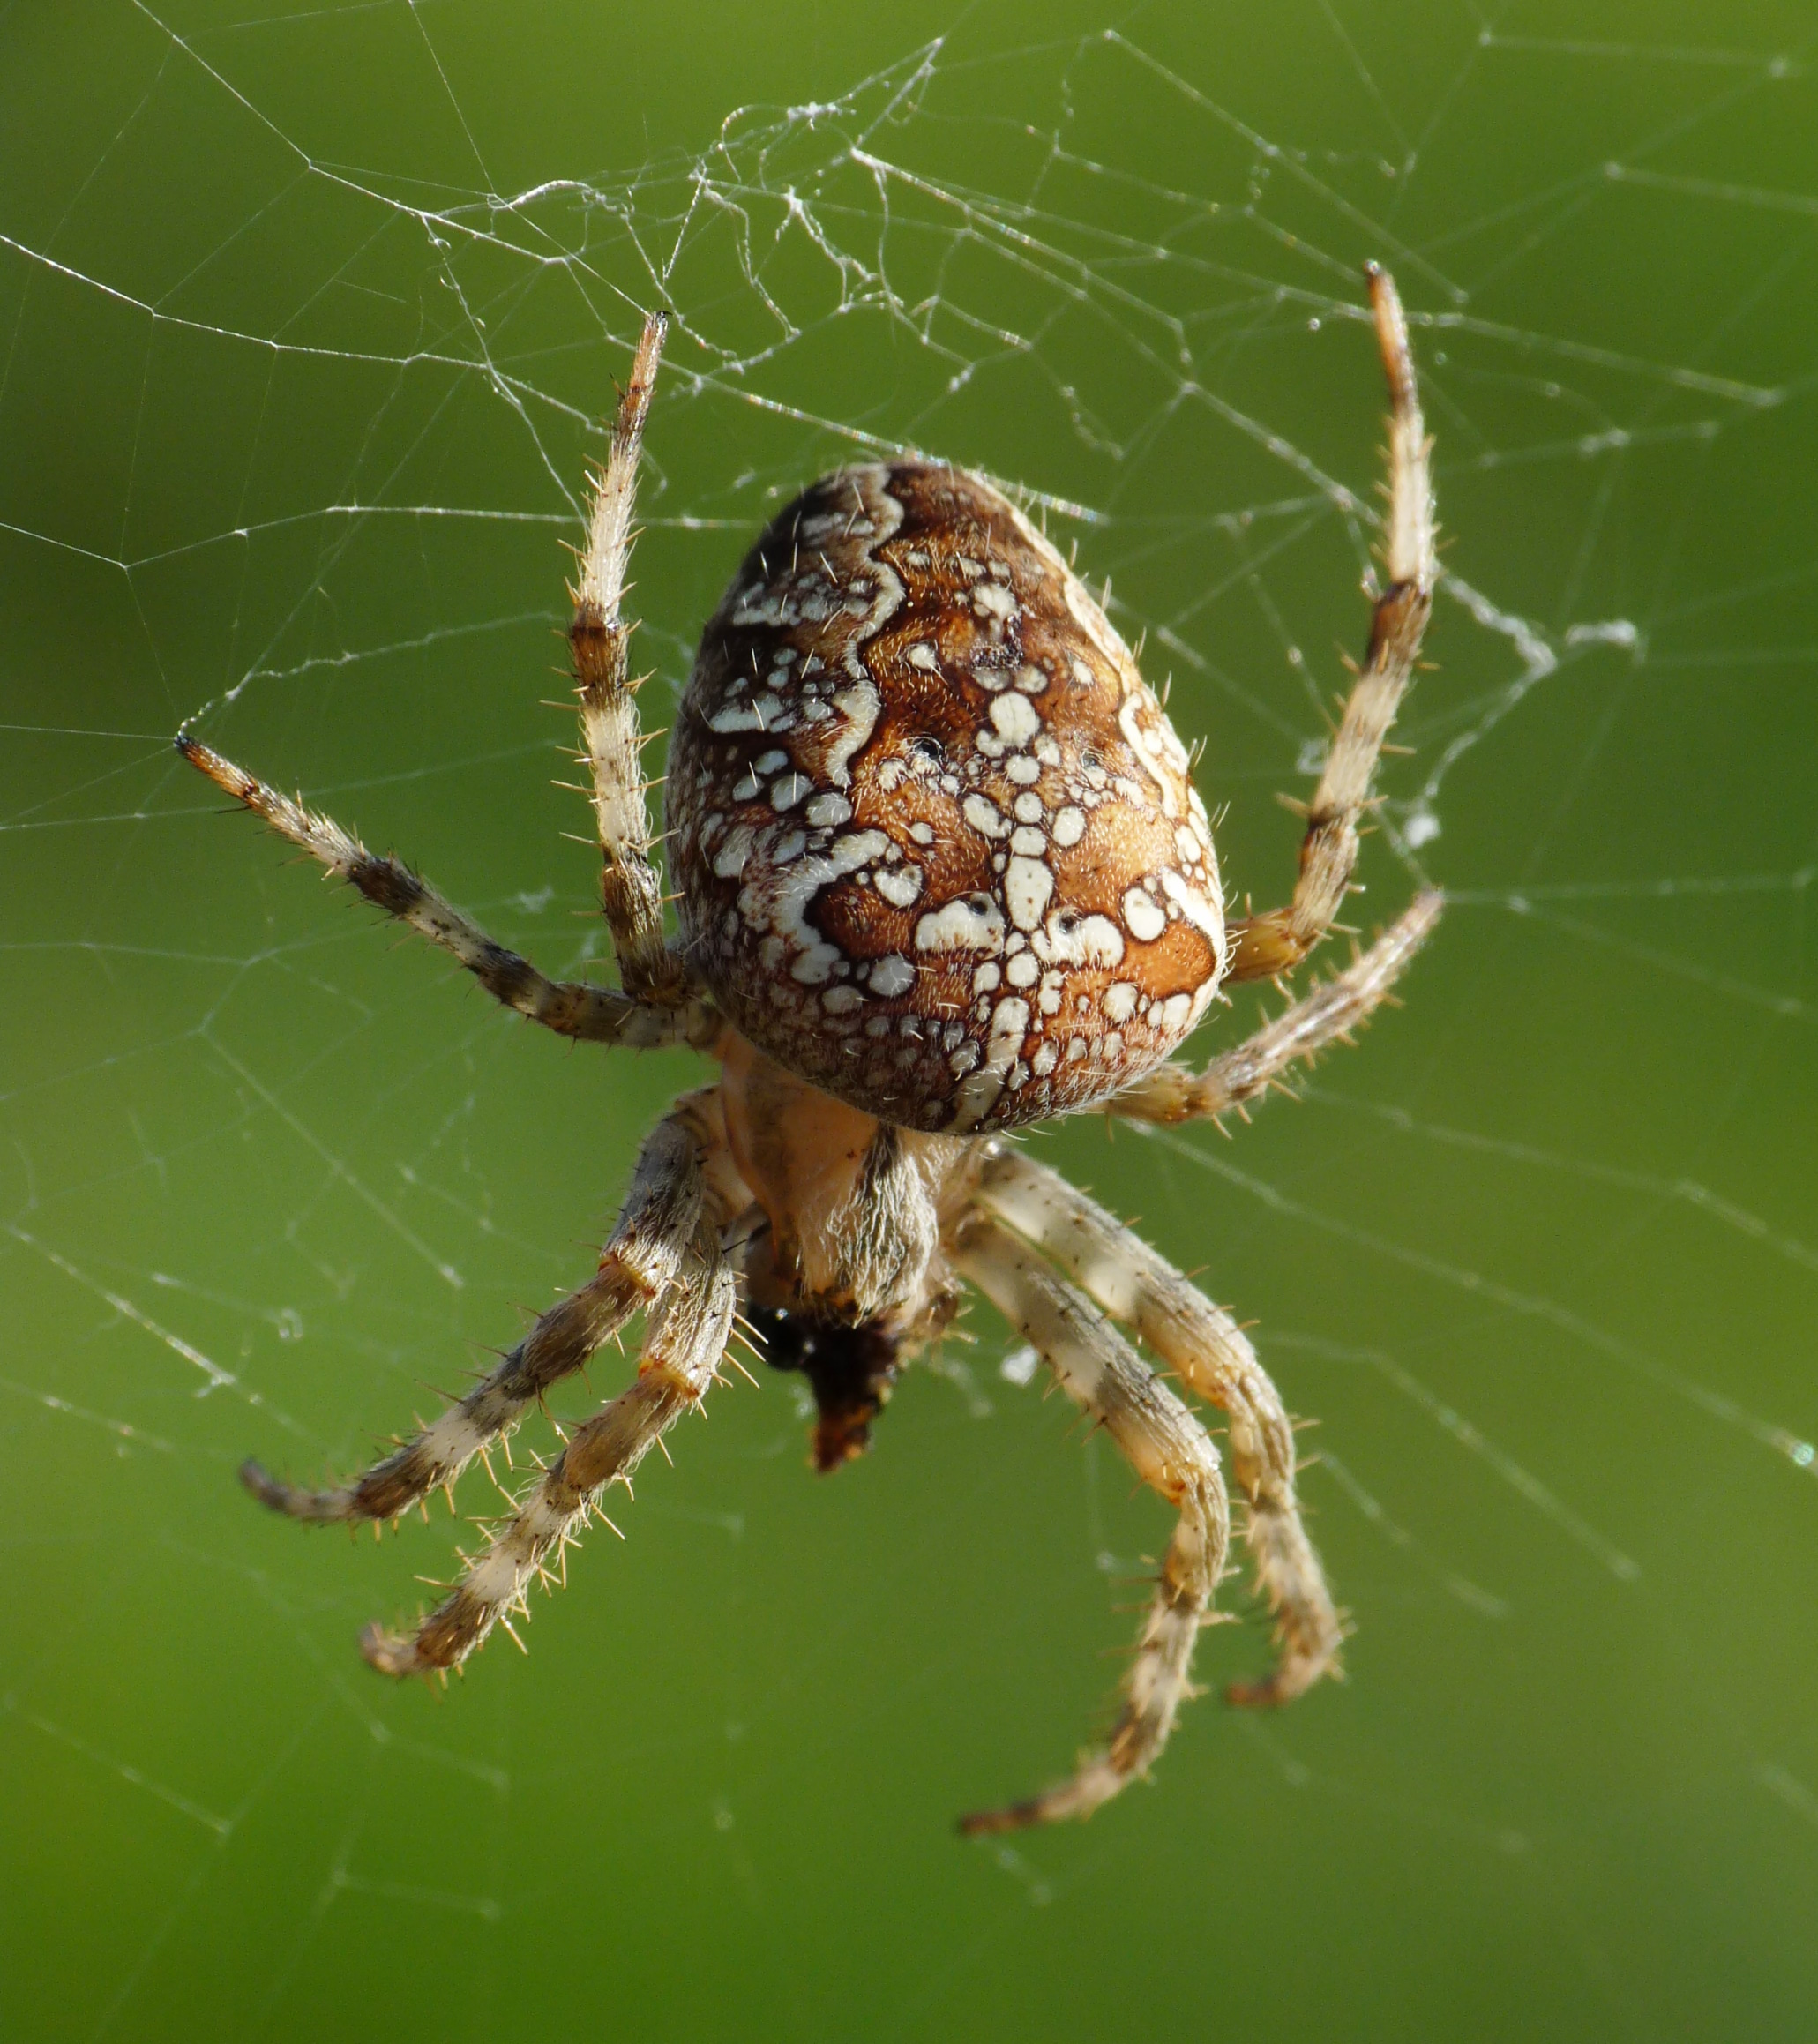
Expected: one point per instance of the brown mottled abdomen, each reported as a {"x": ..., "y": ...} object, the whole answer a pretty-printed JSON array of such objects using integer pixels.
[{"x": 938, "y": 847}]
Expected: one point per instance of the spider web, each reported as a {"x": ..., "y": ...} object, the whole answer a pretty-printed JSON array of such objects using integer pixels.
[{"x": 306, "y": 322}]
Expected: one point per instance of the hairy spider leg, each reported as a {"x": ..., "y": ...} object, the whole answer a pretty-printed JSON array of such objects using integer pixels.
[
  {"x": 640, "y": 1263},
  {"x": 590, "y": 1014},
  {"x": 1325, "y": 1014},
  {"x": 685, "y": 1337},
  {"x": 1213, "y": 1358},
  {"x": 1169, "y": 1449},
  {"x": 1276, "y": 942},
  {"x": 631, "y": 883}
]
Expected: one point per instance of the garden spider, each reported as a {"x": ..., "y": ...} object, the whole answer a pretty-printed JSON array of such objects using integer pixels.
[{"x": 942, "y": 874}]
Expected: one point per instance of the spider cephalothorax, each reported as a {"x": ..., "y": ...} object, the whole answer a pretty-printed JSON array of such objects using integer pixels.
[{"x": 943, "y": 873}]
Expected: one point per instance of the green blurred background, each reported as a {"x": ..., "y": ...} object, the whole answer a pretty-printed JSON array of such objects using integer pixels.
[{"x": 303, "y": 313}]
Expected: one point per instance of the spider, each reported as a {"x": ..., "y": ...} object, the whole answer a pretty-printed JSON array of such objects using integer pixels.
[{"x": 942, "y": 874}]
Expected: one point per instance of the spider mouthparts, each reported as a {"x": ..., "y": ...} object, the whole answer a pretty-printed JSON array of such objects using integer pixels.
[
  {"x": 843, "y": 1434},
  {"x": 850, "y": 1370}
]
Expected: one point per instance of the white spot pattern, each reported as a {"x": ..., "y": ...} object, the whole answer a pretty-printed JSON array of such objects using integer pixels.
[{"x": 938, "y": 848}]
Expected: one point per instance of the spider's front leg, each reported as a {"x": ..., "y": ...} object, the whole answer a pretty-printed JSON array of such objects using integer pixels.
[
  {"x": 640, "y": 1263},
  {"x": 1263, "y": 946},
  {"x": 686, "y": 1338},
  {"x": 1173, "y": 1455},
  {"x": 1213, "y": 1358}
]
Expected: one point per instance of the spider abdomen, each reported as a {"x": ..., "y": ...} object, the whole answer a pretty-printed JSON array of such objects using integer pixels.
[{"x": 938, "y": 850}]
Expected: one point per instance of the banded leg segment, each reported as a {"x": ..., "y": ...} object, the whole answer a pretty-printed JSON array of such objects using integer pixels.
[
  {"x": 688, "y": 1331},
  {"x": 1170, "y": 1450},
  {"x": 1213, "y": 1357},
  {"x": 640, "y": 1262},
  {"x": 631, "y": 888},
  {"x": 1263, "y": 946},
  {"x": 592, "y": 1013},
  {"x": 1175, "y": 1092}
]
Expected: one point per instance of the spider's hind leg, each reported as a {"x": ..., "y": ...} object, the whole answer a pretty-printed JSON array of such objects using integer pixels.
[
  {"x": 590, "y": 1014},
  {"x": 600, "y": 637},
  {"x": 1266, "y": 945},
  {"x": 1325, "y": 1014}
]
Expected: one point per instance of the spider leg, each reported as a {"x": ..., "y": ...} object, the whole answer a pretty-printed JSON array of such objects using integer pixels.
[
  {"x": 638, "y": 1264},
  {"x": 1174, "y": 1455},
  {"x": 1212, "y": 1355},
  {"x": 1175, "y": 1092},
  {"x": 687, "y": 1334},
  {"x": 631, "y": 885},
  {"x": 1263, "y": 946},
  {"x": 592, "y": 1013}
]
